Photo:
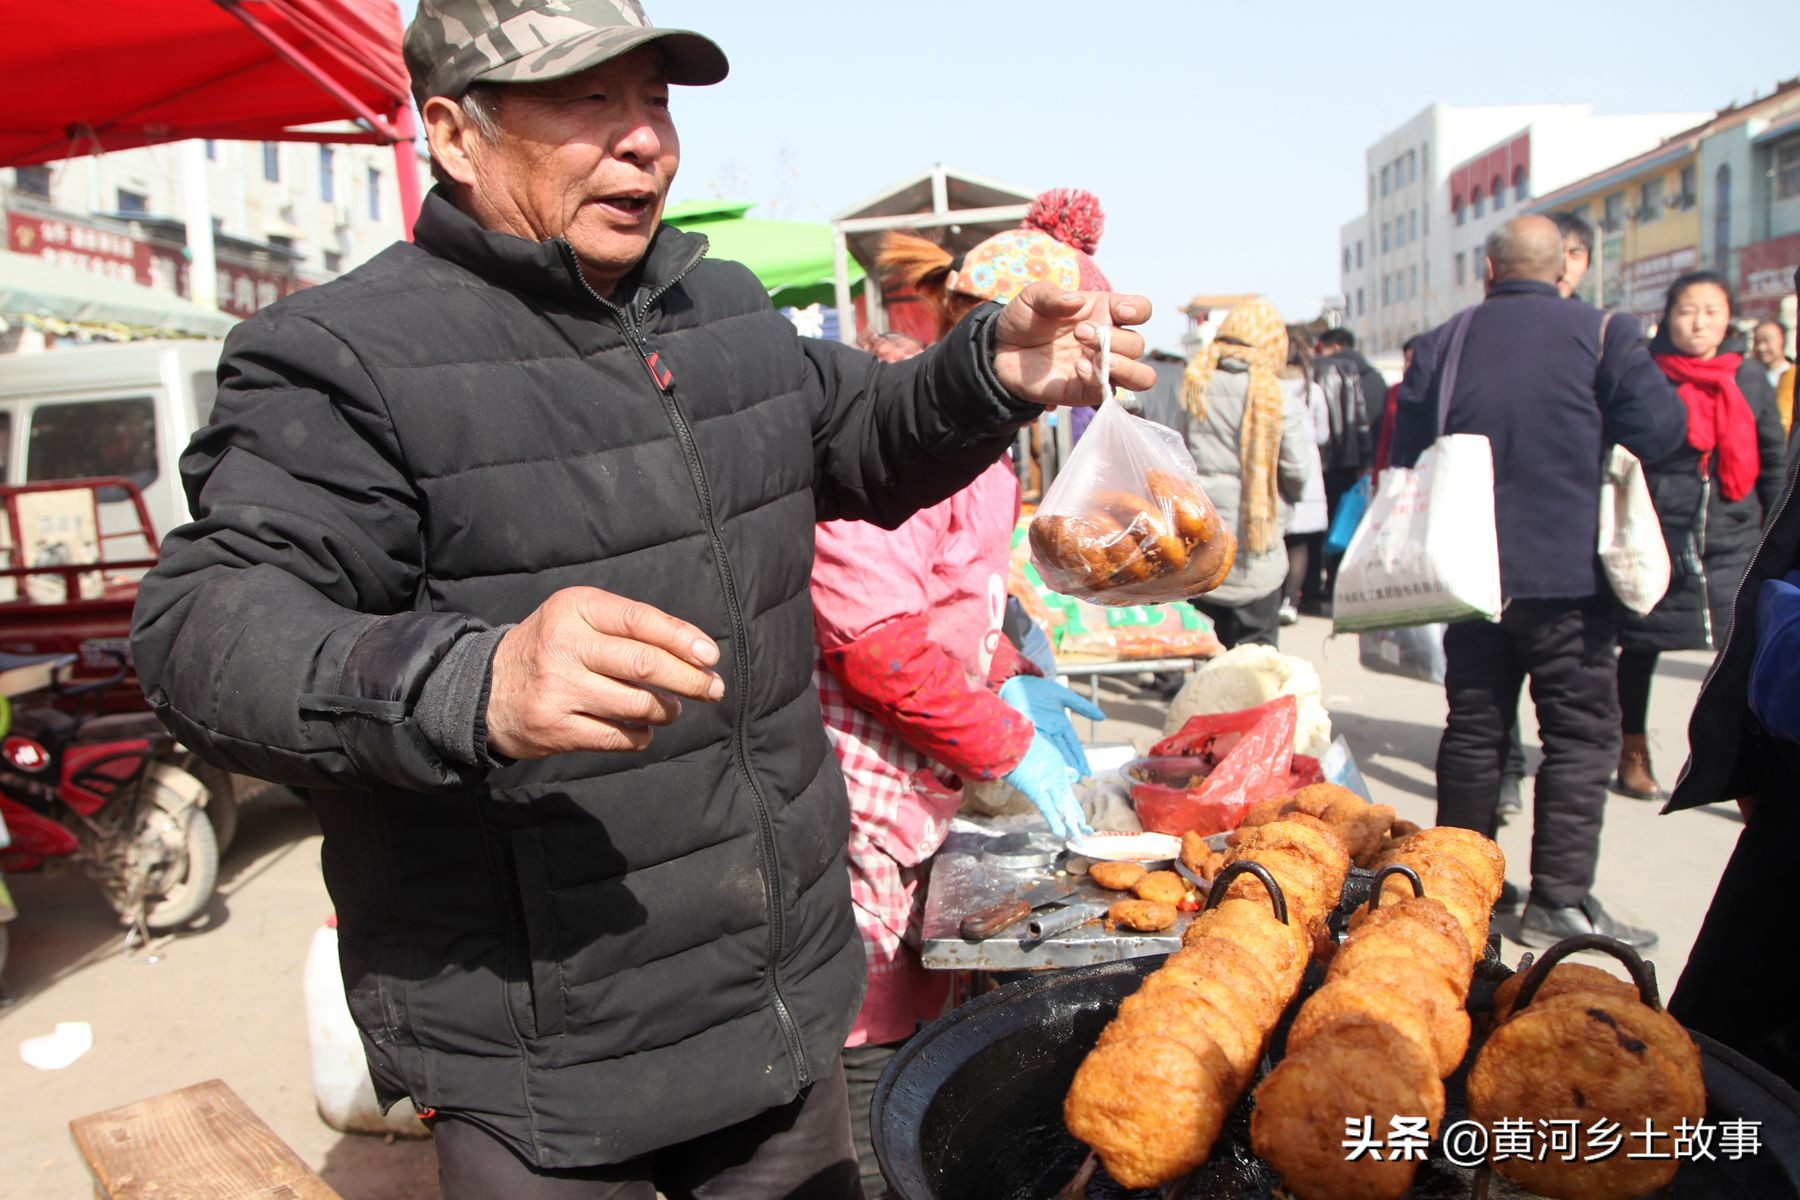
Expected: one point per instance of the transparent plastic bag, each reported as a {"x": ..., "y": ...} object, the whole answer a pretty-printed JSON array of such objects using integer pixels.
[{"x": 1126, "y": 522}]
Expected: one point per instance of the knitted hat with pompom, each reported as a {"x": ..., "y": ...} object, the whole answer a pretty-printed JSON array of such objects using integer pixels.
[{"x": 1052, "y": 244}]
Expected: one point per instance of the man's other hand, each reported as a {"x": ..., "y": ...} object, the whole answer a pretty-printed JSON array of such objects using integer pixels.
[
  {"x": 593, "y": 671},
  {"x": 1046, "y": 343}
]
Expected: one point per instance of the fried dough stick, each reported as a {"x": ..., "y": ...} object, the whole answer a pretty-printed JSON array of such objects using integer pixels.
[
  {"x": 1390, "y": 1023},
  {"x": 1152, "y": 1095}
]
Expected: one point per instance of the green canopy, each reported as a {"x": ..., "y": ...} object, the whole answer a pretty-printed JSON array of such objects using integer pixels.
[{"x": 792, "y": 258}]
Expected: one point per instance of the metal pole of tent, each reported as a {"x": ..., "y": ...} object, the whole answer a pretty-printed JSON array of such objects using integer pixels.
[
  {"x": 406, "y": 172},
  {"x": 203, "y": 266}
]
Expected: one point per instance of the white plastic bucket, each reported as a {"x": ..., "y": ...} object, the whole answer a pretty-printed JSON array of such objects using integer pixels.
[{"x": 340, "y": 1072}]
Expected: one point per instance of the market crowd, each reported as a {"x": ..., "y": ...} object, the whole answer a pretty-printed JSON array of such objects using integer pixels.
[{"x": 637, "y": 652}]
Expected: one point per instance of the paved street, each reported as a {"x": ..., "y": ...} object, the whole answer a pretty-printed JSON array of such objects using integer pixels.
[{"x": 226, "y": 1002}]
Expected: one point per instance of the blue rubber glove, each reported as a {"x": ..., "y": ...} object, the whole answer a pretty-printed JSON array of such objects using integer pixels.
[
  {"x": 1045, "y": 779},
  {"x": 1045, "y": 704}
]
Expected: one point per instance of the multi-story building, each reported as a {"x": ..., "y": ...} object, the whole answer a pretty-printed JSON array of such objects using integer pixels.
[
  {"x": 1750, "y": 202},
  {"x": 1707, "y": 196},
  {"x": 285, "y": 214},
  {"x": 1398, "y": 261}
]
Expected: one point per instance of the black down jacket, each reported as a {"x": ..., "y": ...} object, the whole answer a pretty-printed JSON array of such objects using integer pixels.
[
  {"x": 1710, "y": 538},
  {"x": 591, "y": 955}
]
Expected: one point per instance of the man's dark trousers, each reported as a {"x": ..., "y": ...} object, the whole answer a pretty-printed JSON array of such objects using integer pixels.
[{"x": 1565, "y": 647}]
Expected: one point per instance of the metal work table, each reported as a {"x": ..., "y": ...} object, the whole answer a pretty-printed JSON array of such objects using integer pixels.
[{"x": 962, "y": 882}]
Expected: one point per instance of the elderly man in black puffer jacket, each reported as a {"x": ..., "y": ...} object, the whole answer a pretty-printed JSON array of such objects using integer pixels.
[{"x": 475, "y": 520}]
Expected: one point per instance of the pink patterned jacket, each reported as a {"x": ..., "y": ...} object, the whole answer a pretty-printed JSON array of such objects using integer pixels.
[{"x": 910, "y": 650}]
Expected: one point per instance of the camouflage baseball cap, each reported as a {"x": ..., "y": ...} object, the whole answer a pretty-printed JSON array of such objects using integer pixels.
[{"x": 452, "y": 44}]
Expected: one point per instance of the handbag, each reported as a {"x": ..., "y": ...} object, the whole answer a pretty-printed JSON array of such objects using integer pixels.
[
  {"x": 1349, "y": 515},
  {"x": 1632, "y": 550},
  {"x": 1416, "y": 652},
  {"x": 1427, "y": 551}
]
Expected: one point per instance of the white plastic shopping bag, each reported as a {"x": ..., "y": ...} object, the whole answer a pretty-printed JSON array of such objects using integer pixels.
[
  {"x": 1632, "y": 550},
  {"x": 1426, "y": 553}
]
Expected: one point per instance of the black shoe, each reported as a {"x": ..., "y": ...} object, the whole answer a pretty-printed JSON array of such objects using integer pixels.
[
  {"x": 1542, "y": 926},
  {"x": 1165, "y": 684},
  {"x": 1512, "y": 802},
  {"x": 1510, "y": 895}
]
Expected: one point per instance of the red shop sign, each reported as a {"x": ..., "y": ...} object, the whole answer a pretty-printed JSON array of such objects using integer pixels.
[{"x": 1768, "y": 275}]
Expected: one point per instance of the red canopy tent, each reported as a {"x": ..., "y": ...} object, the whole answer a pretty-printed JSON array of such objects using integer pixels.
[{"x": 112, "y": 74}]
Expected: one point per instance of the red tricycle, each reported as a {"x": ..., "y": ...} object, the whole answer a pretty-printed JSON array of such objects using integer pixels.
[{"x": 71, "y": 554}]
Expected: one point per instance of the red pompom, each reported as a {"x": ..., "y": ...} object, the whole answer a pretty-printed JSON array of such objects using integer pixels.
[{"x": 1069, "y": 215}]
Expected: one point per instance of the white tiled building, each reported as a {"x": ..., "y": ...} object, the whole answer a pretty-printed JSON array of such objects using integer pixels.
[
  {"x": 1398, "y": 261},
  {"x": 286, "y": 214}
]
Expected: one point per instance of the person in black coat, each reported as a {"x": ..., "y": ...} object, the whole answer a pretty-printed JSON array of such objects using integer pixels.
[
  {"x": 1737, "y": 987},
  {"x": 501, "y": 551},
  {"x": 1710, "y": 495},
  {"x": 1549, "y": 385}
]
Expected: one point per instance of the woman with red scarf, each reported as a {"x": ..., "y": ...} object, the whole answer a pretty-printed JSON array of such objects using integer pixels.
[{"x": 1711, "y": 497}]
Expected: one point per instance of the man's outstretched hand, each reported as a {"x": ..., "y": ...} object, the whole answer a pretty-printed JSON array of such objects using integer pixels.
[
  {"x": 1046, "y": 341},
  {"x": 593, "y": 671}
]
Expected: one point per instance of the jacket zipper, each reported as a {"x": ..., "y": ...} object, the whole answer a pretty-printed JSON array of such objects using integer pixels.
[
  {"x": 662, "y": 380},
  {"x": 1706, "y": 621},
  {"x": 1712, "y": 669}
]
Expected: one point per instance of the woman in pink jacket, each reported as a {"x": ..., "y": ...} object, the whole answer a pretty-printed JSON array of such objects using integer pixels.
[{"x": 919, "y": 687}]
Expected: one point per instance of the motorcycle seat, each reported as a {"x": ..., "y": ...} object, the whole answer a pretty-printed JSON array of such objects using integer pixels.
[{"x": 118, "y": 727}]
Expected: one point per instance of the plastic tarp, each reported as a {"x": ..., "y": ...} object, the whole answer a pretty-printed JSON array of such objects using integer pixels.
[
  {"x": 104, "y": 75},
  {"x": 793, "y": 259},
  {"x": 34, "y": 290}
]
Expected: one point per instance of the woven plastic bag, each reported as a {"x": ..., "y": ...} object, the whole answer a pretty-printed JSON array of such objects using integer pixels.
[{"x": 1126, "y": 522}]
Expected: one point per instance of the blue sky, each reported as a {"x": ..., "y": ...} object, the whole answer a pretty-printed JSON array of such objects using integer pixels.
[{"x": 1224, "y": 138}]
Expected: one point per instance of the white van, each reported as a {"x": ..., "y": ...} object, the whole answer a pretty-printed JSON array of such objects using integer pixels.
[{"x": 127, "y": 409}]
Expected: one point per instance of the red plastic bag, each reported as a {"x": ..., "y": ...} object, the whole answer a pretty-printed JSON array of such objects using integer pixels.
[{"x": 1253, "y": 753}]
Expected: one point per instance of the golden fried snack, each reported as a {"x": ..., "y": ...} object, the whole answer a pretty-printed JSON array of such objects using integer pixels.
[
  {"x": 1227, "y": 1017},
  {"x": 1238, "y": 968},
  {"x": 1141, "y": 1144},
  {"x": 1588, "y": 1056},
  {"x": 1318, "y": 798},
  {"x": 1264, "y": 811},
  {"x": 1335, "y": 833},
  {"x": 1404, "y": 829},
  {"x": 1565, "y": 977},
  {"x": 1355, "y": 1067},
  {"x": 1365, "y": 996},
  {"x": 1118, "y": 876},
  {"x": 1283, "y": 948},
  {"x": 1161, "y": 887},
  {"x": 1212, "y": 561},
  {"x": 1152, "y": 528},
  {"x": 1182, "y": 1015},
  {"x": 1195, "y": 519},
  {"x": 1371, "y": 825},
  {"x": 1324, "y": 845},
  {"x": 1194, "y": 852},
  {"x": 1079, "y": 547},
  {"x": 1430, "y": 987},
  {"x": 1309, "y": 896},
  {"x": 1145, "y": 916},
  {"x": 1414, "y": 928},
  {"x": 1448, "y": 880},
  {"x": 1485, "y": 860}
]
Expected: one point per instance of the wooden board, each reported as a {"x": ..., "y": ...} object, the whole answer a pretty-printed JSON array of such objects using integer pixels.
[{"x": 198, "y": 1143}]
